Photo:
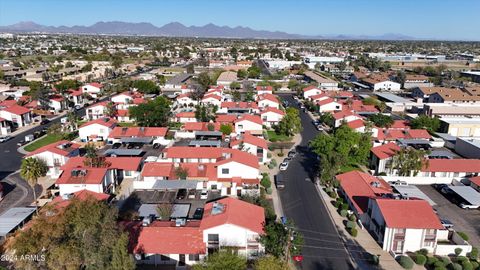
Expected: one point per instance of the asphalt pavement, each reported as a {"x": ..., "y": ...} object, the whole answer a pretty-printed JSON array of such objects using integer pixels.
[{"x": 323, "y": 247}]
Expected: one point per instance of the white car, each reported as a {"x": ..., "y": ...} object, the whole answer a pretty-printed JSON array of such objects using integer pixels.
[
  {"x": 4, "y": 139},
  {"x": 283, "y": 166},
  {"x": 204, "y": 194},
  {"x": 469, "y": 206}
]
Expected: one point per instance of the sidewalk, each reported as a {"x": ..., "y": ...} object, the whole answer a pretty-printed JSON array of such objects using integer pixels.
[
  {"x": 277, "y": 204},
  {"x": 359, "y": 246}
]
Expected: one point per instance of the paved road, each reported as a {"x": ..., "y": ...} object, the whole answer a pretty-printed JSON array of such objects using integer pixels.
[
  {"x": 18, "y": 192},
  {"x": 301, "y": 203}
]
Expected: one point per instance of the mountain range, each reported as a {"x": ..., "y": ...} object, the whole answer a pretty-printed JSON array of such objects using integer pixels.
[{"x": 176, "y": 29}]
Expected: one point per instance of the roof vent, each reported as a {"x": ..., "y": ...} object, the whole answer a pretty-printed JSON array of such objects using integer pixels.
[
  {"x": 375, "y": 184},
  {"x": 218, "y": 208},
  {"x": 67, "y": 196},
  {"x": 180, "y": 222}
]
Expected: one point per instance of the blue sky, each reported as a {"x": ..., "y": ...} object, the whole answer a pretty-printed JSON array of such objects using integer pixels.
[{"x": 440, "y": 19}]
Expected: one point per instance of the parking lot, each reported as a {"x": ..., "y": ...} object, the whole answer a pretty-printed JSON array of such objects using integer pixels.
[
  {"x": 464, "y": 220},
  {"x": 192, "y": 198},
  {"x": 147, "y": 149}
]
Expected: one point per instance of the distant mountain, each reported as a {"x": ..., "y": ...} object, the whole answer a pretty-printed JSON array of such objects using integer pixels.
[{"x": 176, "y": 29}]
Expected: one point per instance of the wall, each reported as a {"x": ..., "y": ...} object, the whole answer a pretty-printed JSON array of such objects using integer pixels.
[
  {"x": 237, "y": 170},
  {"x": 466, "y": 149},
  {"x": 72, "y": 188}
]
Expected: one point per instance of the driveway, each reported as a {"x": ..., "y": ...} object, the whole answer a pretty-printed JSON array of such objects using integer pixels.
[
  {"x": 323, "y": 248},
  {"x": 467, "y": 221},
  {"x": 18, "y": 192}
]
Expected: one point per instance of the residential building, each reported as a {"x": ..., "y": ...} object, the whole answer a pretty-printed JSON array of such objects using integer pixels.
[
  {"x": 55, "y": 155},
  {"x": 96, "y": 130},
  {"x": 251, "y": 144},
  {"x": 248, "y": 122},
  {"x": 93, "y": 89},
  {"x": 323, "y": 82},
  {"x": 271, "y": 116},
  {"x": 381, "y": 157},
  {"x": 413, "y": 80},
  {"x": 461, "y": 126}
]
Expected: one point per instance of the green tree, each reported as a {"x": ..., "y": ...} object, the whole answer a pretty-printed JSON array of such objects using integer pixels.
[
  {"x": 409, "y": 161},
  {"x": 181, "y": 173},
  {"x": 154, "y": 113},
  {"x": 270, "y": 263},
  {"x": 67, "y": 84},
  {"x": 146, "y": 87},
  {"x": 84, "y": 236},
  {"x": 254, "y": 72},
  {"x": 110, "y": 110},
  {"x": 226, "y": 129},
  {"x": 236, "y": 95},
  {"x": 204, "y": 80},
  {"x": 432, "y": 124},
  {"x": 235, "y": 85},
  {"x": 31, "y": 169},
  {"x": 221, "y": 260},
  {"x": 242, "y": 74},
  {"x": 165, "y": 210},
  {"x": 401, "y": 77},
  {"x": 116, "y": 61},
  {"x": 381, "y": 120},
  {"x": 274, "y": 239},
  {"x": 249, "y": 96},
  {"x": 327, "y": 119},
  {"x": 290, "y": 123}
]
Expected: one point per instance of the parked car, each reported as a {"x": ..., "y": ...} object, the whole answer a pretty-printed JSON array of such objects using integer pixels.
[
  {"x": 446, "y": 190},
  {"x": 116, "y": 145},
  {"x": 181, "y": 194},
  {"x": 4, "y": 139},
  {"x": 292, "y": 154},
  {"x": 397, "y": 183},
  {"x": 319, "y": 127},
  {"x": 21, "y": 143},
  {"x": 279, "y": 181},
  {"x": 446, "y": 223},
  {"x": 44, "y": 121},
  {"x": 198, "y": 213},
  {"x": 283, "y": 166},
  {"x": 469, "y": 206},
  {"x": 156, "y": 145},
  {"x": 204, "y": 194}
]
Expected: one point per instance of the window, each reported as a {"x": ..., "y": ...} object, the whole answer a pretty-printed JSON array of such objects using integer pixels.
[
  {"x": 128, "y": 173},
  {"x": 225, "y": 171},
  {"x": 194, "y": 257},
  {"x": 213, "y": 238},
  {"x": 240, "y": 126}
]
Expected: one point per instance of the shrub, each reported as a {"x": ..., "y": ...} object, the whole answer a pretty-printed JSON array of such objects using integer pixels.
[
  {"x": 352, "y": 217},
  {"x": 439, "y": 264},
  {"x": 461, "y": 259},
  {"x": 420, "y": 259},
  {"x": 271, "y": 166},
  {"x": 354, "y": 232},
  {"x": 269, "y": 155},
  {"x": 445, "y": 260},
  {"x": 458, "y": 251},
  {"x": 273, "y": 162},
  {"x": 345, "y": 206},
  {"x": 343, "y": 213},
  {"x": 463, "y": 235},
  {"x": 455, "y": 266},
  {"x": 281, "y": 154},
  {"x": 475, "y": 265},
  {"x": 269, "y": 190},
  {"x": 473, "y": 254},
  {"x": 273, "y": 139},
  {"x": 336, "y": 204},
  {"x": 340, "y": 199},
  {"x": 332, "y": 194},
  {"x": 423, "y": 251},
  {"x": 329, "y": 189},
  {"x": 351, "y": 224},
  {"x": 265, "y": 182},
  {"x": 440, "y": 268},
  {"x": 374, "y": 259},
  {"x": 431, "y": 261},
  {"x": 405, "y": 261},
  {"x": 467, "y": 265}
]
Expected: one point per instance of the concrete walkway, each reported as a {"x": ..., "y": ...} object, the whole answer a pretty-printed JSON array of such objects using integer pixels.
[
  {"x": 359, "y": 247},
  {"x": 277, "y": 204}
]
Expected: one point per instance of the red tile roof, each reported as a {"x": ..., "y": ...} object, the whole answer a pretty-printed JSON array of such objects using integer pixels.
[
  {"x": 267, "y": 96},
  {"x": 169, "y": 240},
  {"x": 242, "y": 104},
  {"x": 16, "y": 109},
  {"x": 385, "y": 151},
  {"x": 250, "y": 139},
  {"x": 59, "y": 202},
  {"x": 325, "y": 101},
  {"x": 107, "y": 122},
  {"x": 360, "y": 186},
  {"x": 236, "y": 212},
  {"x": 311, "y": 87},
  {"x": 264, "y": 88},
  {"x": 185, "y": 115},
  {"x": 222, "y": 155},
  {"x": 63, "y": 148},
  {"x": 475, "y": 180},
  {"x": 95, "y": 84},
  {"x": 119, "y": 132},
  {"x": 252, "y": 118},
  {"x": 200, "y": 126},
  {"x": 273, "y": 110},
  {"x": 225, "y": 118},
  {"x": 356, "y": 124},
  {"x": 453, "y": 165},
  {"x": 408, "y": 214}
]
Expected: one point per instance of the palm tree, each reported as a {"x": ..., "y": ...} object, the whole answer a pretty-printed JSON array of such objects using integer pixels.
[
  {"x": 32, "y": 169},
  {"x": 72, "y": 119}
]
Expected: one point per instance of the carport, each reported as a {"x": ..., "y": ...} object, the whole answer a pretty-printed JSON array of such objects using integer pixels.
[
  {"x": 469, "y": 194},
  {"x": 413, "y": 192},
  {"x": 144, "y": 140},
  {"x": 175, "y": 184},
  {"x": 123, "y": 152},
  {"x": 199, "y": 143},
  {"x": 208, "y": 135}
]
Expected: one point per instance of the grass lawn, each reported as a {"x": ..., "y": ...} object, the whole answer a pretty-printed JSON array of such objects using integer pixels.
[
  {"x": 348, "y": 168},
  {"x": 42, "y": 142},
  {"x": 279, "y": 138}
]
